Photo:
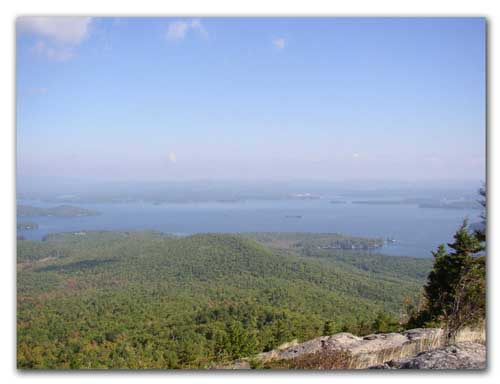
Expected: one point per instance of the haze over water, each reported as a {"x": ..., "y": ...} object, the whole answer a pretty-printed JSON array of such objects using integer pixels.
[
  {"x": 416, "y": 231},
  {"x": 139, "y": 101}
]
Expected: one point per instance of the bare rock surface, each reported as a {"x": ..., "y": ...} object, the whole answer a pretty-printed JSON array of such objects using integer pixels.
[
  {"x": 465, "y": 355},
  {"x": 421, "y": 348},
  {"x": 368, "y": 350}
]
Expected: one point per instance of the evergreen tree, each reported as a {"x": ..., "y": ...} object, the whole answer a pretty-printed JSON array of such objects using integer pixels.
[
  {"x": 328, "y": 328},
  {"x": 481, "y": 232},
  {"x": 455, "y": 290}
]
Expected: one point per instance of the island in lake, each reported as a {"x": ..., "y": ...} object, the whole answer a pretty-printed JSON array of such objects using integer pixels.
[
  {"x": 57, "y": 211},
  {"x": 306, "y": 242},
  {"x": 26, "y": 225},
  {"x": 458, "y": 204},
  {"x": 426, "y": 203}
]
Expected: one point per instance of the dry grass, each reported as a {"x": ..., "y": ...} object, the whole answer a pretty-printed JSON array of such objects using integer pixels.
[
  {"x": 319, "y": 360},
  {"x": 476, "y": 335}
]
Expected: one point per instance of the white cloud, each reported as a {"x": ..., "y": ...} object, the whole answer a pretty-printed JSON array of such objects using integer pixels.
[
  {"x": 66, "y": 30},
  {"x": 58, "y": 36},
  {"x": 53, "y": 53},
  {"x": 177, "y": 30},
  {"x": 172, "y": 157},
  {"x": 279, "y": 43},
  {"x": 355, "y": 155}
]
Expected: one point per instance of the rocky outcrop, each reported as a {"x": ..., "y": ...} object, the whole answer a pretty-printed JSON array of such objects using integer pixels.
[
  {"x": 377, "y": 349},
  {"x": 365, "y": 351},
  {"x": 464, "y": 355}
]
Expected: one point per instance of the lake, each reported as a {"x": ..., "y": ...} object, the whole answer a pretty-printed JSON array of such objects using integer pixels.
[{"x": 417, "y": 231}]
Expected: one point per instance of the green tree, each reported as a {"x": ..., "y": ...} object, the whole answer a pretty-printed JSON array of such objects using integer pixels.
[
  {"x": 384, "y": 323},
  {"x": 469, "y": 306},
  {"x": 455, "y": 290},
  {"x": 481, "y": 231},
  {"x": 328, "y": 328}
]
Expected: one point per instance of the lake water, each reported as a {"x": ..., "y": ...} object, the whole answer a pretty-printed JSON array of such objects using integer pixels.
[{"x": 417, "y": 231}]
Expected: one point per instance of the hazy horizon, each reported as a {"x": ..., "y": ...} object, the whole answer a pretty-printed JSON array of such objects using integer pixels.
[{"x": 181, "y": 99}]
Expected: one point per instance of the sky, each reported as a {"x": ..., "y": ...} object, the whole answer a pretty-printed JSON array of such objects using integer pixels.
[{"x": 145, "y": 99}]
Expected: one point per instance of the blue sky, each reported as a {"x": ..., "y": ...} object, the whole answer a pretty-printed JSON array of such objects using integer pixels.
[{"x": 251, "y": 98}]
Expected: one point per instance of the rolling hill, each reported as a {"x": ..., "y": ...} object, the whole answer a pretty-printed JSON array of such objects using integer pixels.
[{"x": 148, "y": 300}]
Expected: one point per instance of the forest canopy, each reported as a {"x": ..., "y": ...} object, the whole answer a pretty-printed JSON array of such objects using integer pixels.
[{"x": 148, "y": 300}]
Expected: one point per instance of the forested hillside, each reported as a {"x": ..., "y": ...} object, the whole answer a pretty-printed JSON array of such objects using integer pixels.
[{"x": 148, "y": 300}]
